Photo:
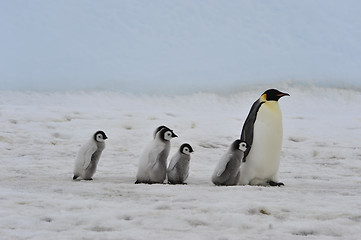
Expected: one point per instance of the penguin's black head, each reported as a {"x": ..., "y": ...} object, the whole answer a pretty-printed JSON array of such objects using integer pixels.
[
  {"x": 273, "y": 95},
  {"x": 166, "y": 134},
  {"x": 100, "y": 136},
  {"x": 185, "y": 148},
  {"x": 158, "y": 129},
  {"x": 239, "y": 145}
]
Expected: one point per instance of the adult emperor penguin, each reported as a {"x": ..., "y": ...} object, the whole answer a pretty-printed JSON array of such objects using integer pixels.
[
  {"x": 178, "y": 168},
  {"x": 153, "y": 161},
  {"x": 227, "y": 171},
  {"x": 89, "y": 155},
  {"x": 263, "y": 132}
]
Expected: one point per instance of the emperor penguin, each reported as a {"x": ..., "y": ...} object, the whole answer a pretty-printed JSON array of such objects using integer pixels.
[
  {"x": 153, "y": 161},
  {"x": 227, "y": 171},
  {"x": 263, "y": 132},
  {"x": 89, "y": 155},
  {"x": 178, "y": 169}
]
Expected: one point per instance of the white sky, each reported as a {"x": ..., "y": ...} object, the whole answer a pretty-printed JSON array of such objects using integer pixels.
[{"x": 177, "y": 46}]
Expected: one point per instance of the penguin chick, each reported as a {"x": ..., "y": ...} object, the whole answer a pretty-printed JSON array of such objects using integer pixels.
[
  {"x": 178, "y": 168},
  {"x": 227, "y": 171},
  {"x": 88, "y": 156},
  {"x": 263, "y": 131},
  {"x": 153, "y": 161}
]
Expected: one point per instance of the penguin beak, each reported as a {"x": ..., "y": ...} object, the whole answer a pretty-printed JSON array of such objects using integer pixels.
[
  {"x": 282, "y": 94},
  {"x": 174, "y": 135}
]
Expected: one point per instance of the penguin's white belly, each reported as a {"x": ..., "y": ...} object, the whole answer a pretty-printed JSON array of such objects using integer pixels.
[
  {"x": 264, "y": 157},
  {"x": 149, "y": 168}
]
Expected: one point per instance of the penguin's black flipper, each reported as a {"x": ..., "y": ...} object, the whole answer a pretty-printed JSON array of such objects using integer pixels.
[
  {"x": 248, "y": 127},
  {"x": 75, "y": 177}
]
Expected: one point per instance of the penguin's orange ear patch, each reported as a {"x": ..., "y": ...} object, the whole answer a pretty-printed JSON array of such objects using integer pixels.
[{"x": 263, "y": 98}]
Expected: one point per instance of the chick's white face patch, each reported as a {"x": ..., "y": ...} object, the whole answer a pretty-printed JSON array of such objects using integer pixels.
[
  {"x": 99, "y": 138},
  {"x": 243, "y": 146},
  {"x": 168, "y": 135},
  {"x": 186, "y": 151}
]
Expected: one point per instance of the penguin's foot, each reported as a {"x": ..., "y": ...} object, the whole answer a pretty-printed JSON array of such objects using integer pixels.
[
  {"x": 89, "y": 179},
  {"x": 147, "y": 182},
  {"x": 275, "y": 184},
  {"x": 75, "y": 177},
  {"x": 139, "y": 182},
  {"x": 175, "y": 183},
  {"x": 219, "y": 184}
]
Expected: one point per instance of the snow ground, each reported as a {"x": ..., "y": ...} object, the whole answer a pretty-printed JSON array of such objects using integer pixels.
[{"x": 42, "y": 132}]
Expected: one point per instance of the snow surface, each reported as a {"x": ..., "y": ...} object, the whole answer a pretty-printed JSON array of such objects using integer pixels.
[
  {"x": 42, "y": 132},
  {"x": 177, "y": 46}
]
